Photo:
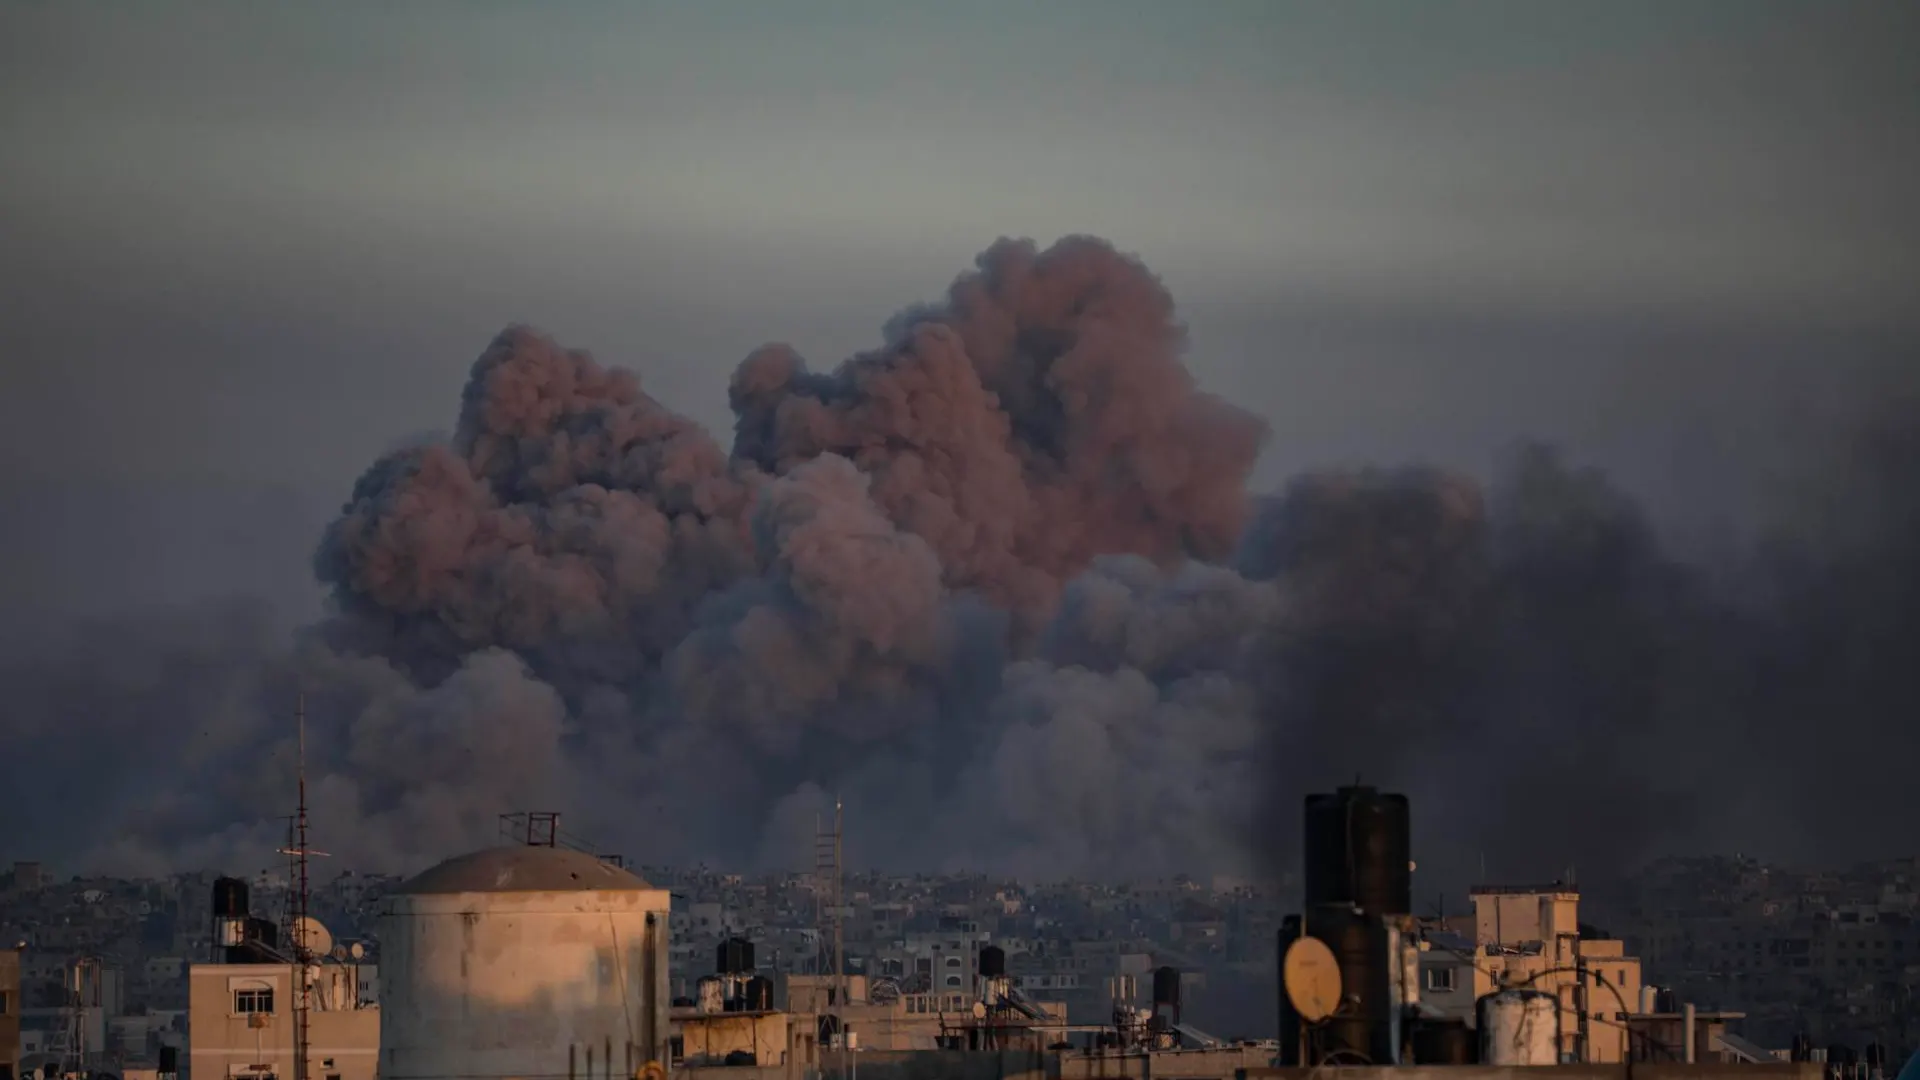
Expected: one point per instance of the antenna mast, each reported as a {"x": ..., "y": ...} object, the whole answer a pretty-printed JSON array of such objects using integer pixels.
[
  {"x": 827, "y": 867},
  {"x": 839, "y": 874},
  {"x": 297, "y": 853}
]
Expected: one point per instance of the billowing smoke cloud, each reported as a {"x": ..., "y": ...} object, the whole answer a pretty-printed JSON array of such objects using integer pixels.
[
  {"x": 1559, "y": 693},
  {"x": 998, "y": 584}
]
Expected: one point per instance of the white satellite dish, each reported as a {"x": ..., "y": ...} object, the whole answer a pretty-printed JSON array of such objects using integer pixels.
[
  {"x": 309, "y": 934},
  {"x": 357, "y": 951}
]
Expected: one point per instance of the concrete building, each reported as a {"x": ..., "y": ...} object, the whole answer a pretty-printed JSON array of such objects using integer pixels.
[
  {"x": 27, "y": 876},
  {"x": 240, "y": 1023},
  {"x": 1805, "y": 1070},
  {"x": 902, "y": 1022},
  {"x": 1529, "y": 937},
  {"x": 947, "y": 958},
  {"x": 523, "y": 961},
  {"x": 9, "y": 1013},
  {"x": 774, "y": 1043}
]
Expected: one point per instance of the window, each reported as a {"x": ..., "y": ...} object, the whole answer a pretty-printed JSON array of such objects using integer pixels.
[
  {"x": 248, "y": 1002},
  {"x": 4, "y": 1003},
  {"x": 1440, "y": 979}
]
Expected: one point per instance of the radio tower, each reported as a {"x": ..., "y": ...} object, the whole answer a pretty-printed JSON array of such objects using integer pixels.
[
  {"x": 827, "y": 865},
  {"x": 297, "y": 853}
]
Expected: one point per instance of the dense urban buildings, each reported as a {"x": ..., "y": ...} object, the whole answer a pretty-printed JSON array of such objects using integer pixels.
[{"x": 1830, "y": 955}]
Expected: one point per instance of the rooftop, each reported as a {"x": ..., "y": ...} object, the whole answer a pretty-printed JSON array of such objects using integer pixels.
[
  {"x": 1552, "y": 888},
  {"x": 523, "y": 868}
]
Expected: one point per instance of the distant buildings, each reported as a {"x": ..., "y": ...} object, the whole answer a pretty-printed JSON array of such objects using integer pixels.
[{"x": 1834, "y": 955}]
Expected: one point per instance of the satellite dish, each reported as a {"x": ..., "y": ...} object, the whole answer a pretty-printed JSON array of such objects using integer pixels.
[
  {"x": 308, "y": 933},
  {"x": 979, "y": 1010},
  {"x": 1312, "y": 979},
  {"x": 339, "y": 953},
  {"x": 357, "y": 950}
]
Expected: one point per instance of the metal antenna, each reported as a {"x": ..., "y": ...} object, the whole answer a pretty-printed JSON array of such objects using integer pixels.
[
  {"x": 298, "y": 851},
  {"x": 828, "y": 873},
  {"x": 839, "y": 875}
]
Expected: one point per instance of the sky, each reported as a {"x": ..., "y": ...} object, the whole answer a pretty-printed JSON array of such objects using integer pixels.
[{"x": 249, "y": 247}]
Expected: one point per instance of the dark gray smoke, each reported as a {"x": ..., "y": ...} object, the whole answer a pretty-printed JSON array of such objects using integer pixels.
[
  {"x": 1558, "y": 692},
  {"x": 998, "y": 584}
]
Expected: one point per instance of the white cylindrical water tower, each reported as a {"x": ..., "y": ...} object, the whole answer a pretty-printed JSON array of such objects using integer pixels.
[
  {"x": 523, "y": 962},
  {"x": 1519, "y": 1027}
]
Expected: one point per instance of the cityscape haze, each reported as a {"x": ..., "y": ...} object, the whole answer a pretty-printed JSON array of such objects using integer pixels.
[{"x": 1065, "y": 439}]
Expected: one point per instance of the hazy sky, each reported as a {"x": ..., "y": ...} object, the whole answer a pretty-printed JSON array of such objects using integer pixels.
[{"x": 246, "y": 247}]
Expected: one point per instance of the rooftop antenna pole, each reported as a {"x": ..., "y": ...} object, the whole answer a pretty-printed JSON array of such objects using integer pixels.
[
  {"x": 839, "y": 872},
  {"x": 302, "y": 955},
  {"x": 298, "y": 851},
  {"x": 828, "y": 872}
]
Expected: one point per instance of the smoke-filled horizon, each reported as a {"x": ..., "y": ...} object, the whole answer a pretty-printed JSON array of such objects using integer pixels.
[{"x": 1000, "y": 584}]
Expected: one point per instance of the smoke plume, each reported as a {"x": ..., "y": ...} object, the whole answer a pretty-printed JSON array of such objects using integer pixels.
[{"x": 999, "y": 585}]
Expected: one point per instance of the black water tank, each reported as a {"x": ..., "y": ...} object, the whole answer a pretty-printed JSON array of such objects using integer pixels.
[
  {"x": 1360, "y": 1030},
  {"x": 736, "y": 957},
  {"x": 229, "y": 898},
  {"x": 1289, "y": 1019},
  {"x": 759, "y": 994},
  {"x": 1359, "y": 851},
  {"x": 1166, "y": 986},
  {"x": 1444, "y": 1042},
  {"x": 993, "y": 962}
]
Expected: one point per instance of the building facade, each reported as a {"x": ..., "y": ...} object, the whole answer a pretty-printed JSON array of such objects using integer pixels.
[
  {"x": 241, "y": 1023},
  {"x": 9, "y": 1014},
  {"x": 1529, "y": 937}
]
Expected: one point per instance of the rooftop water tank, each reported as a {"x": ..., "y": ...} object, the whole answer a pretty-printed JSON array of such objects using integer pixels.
[
  {"x": 1912, "y": 1069},
  {"x": 993, "y": 962},
  {"x": 523, "y": 961},
  {"x": 1359, "y": 851},
  {"x": 1519, "y": 1027}
]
